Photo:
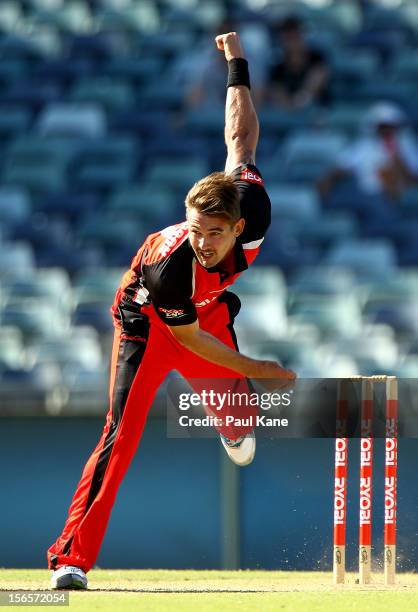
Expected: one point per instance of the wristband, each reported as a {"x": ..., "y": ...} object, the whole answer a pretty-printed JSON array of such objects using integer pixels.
[{"x": 238, "y": 72}]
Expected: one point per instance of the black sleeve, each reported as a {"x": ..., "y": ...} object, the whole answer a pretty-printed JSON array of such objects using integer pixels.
[
  {"x": 169, "y": 283},
  {"x": 254, "y": 201}
]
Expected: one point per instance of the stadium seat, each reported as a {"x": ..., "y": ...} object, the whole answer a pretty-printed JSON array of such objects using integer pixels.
[
  {"x": 399, "y": 92},
  {"x": 307, "y": 154},
  {"x": 97, "y": 286},
  {"x": 95, "y": 47},
  {"x": 12, "y": 71},
  {"x": 71, "y": 259},
  {"x": 63, "y": 70},
  {"x": 14, "y": 121},
  {"x": 38, "y": 164},
  {"x": 77, "y": 120},
  {"x": 10, "y": 16},
  {"x": 38, "y": 176},
  {"x": 339, "y": 316},
  {"x": 266, "y": 318},
  {"x": 12, "y": 353},
  {"x": 292, "y": 202},
  {"x": 206, "y": 121},
  {"x": 401, "y": 315},
  {"x": 379, "y": 353},
  {"x": 311, "y": 145},
  {"x": 31, "y": 94},
  {"x": 87, "y": 391},
  {"x": 322, "y": 280},
  {"x": 169, "y": 42},
  {"x": 407, "y": 368},
  {"x": 52, "y": 284},
  {"x": 401, "y": 286},
  {"x": 163, "y": 93},
  {"x": 16, "y": 259},
  {"x": 93, "y": 314},
  {"x": 110, "y": 231},
  {"x": 409, "y": 202},
  {"x": 68, "y": 204},
  {"x": 345, "y": 118},
  {"x": 180, "y": 174},
  {"x": 261, "y": 280},
  {"x": 14, "y": 47},
  {"x": 280, "y": 122},
  {"x": 35, "y": 318},
  {"x": 176, "y": 144},
  {"x": 283, "y": 246},
  {"x": 109, "y": 93},
  {"x": 15, "y": 204},
  {"x": 138, "y": 70},
  {"x": 148, "y": 203},
  {"x": 25, "y": 392},
  {"x": 71, "y": 17},
  {"x": 290, "y": 353},
  {"x": 140, "y": 17},
  {"x": 404, "y": 65},
  {"x": 362, "y": 64},
  {"x": 369, "y": 259},
  {"x": 107, "y": 163},
  {"x": 40, "y": 231},
  {"x": 326, "y": 229},
  {"x": 75, "y": 351},
  {"x": 148, "y": 123}
]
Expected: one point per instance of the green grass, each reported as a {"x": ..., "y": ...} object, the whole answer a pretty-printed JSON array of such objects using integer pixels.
[{"x": 246, "y": 591}]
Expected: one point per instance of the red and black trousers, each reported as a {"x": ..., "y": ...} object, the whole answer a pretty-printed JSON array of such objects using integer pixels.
[{"x": 144, "y": 351}]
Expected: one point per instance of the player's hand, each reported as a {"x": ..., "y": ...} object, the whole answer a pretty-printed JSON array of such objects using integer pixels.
[
  {"x": 230, "y": 44},
  {"x": 274, "y": 376},
  {"x": 272, "y": 369}
]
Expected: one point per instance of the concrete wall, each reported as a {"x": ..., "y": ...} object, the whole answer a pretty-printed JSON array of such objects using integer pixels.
[{"x": 169, "y": 510}]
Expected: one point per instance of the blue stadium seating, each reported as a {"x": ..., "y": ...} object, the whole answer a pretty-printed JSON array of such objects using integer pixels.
[{"x": 99, "y": 148}]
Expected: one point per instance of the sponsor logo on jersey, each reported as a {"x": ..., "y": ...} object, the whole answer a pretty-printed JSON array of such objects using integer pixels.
[
  {"x": 204, "y": 303},
  {"x": 251, "y": 177},
  {"x": 173, "y": 235},
  {"x": 172, "y": 313}
]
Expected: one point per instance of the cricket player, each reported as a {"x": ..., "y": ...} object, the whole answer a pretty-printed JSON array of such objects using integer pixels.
[{"x": 173, "y": 312}]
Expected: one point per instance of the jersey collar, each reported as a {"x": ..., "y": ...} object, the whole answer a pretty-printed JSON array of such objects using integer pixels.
[{"x": 240, "y": 263}]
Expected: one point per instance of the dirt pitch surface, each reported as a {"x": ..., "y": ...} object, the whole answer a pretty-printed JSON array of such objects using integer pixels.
[{"x": 246, "y": 590}]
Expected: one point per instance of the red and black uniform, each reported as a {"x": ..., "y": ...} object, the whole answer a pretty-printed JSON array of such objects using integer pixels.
[{"x": 165, "y": 286}]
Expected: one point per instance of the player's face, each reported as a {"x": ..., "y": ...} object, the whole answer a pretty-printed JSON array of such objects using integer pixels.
[{"x": 212, "y": 238}]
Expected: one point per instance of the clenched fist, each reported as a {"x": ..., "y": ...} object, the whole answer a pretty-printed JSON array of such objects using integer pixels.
[{"x": 230, "y": 44}]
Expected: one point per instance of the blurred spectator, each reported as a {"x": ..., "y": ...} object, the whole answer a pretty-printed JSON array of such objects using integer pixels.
[
  {"x": 301, "y": 77},
  {"x": 384, "y": 160},
  {"x": 209, "y": 71},
  {"x": 208, "y": 86}
]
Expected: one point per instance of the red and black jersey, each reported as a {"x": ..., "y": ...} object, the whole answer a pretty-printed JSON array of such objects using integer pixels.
[{"x": 166, "y": 274}]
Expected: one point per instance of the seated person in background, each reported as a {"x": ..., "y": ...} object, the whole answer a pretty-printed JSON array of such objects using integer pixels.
[
  {"x": 384, "y": 160},
  {"x": 301, "y": 77}
]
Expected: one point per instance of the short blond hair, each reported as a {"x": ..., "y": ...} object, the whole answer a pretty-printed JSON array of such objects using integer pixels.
[{"x": 216, "y": 194}]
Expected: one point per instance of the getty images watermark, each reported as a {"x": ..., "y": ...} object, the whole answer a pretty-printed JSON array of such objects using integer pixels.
[
  {"x": 233, "y": 401},
  {"x": 206, "y": 408},
  {"x": 304, "y": 408}
]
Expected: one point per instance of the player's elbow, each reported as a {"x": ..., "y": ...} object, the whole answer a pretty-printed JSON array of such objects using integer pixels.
[
  {"x": 240, "y": 136},
  {"x": 237, "y": 134}
]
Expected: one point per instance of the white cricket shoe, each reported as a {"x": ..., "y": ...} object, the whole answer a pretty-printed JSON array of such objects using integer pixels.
[
  {"x": 69, "y": 577},
  {"x": 242, "y": 450}
]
